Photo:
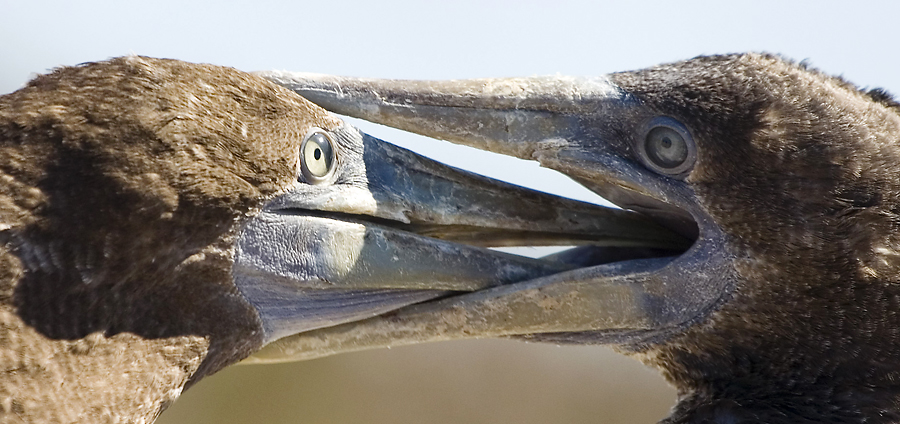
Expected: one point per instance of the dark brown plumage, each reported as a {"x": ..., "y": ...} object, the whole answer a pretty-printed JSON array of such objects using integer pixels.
[
  {"x": 122, "y": 187},
  {"x": 800, "y": 170}
]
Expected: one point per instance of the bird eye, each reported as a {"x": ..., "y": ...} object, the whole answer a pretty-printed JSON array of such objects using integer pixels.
[
  {"x": 317, "y": 157},
  {"x": 668, "y": 147}
]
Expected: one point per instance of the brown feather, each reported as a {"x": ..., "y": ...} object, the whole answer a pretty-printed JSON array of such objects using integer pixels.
[{"x": 122, "y": 185}]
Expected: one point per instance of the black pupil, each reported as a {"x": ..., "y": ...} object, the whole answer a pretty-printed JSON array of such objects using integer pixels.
[
  {"x": 666, "y": 142},
  {"x": 317, "y": 153}
]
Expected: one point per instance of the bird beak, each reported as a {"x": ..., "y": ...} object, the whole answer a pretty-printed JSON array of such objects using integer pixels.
[{"x": 530, "y": 118}]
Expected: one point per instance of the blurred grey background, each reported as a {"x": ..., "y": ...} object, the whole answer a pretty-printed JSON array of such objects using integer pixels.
[{"x": 489, "y": 381}]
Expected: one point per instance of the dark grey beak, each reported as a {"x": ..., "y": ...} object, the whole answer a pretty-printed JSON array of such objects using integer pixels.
[
  {"x": 542, "y": 119},
  {"x": 512, "y": 116}
]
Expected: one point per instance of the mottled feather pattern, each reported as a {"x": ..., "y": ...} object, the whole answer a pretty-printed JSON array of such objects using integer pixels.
[
  {"x": 800, "y": 169},
  {"x": 122, "y": 184}
]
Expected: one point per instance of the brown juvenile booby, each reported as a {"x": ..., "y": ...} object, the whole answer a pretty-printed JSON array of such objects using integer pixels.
[
  {"x": 786, "y": 308},
  {"x": 160, "y": 220}
]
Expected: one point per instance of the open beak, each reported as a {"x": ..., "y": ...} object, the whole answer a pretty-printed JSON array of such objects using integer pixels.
[{"x": 618, "y": 280}]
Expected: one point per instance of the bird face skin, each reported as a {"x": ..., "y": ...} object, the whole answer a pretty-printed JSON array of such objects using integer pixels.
[
  {"x": 160, "y": 220},
  {"x": 784, "y": 308}
]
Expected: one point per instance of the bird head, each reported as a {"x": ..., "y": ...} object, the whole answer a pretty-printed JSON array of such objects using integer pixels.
[
  {"x": 783, "y": 309},
  {"x": 160, "y": 220}
]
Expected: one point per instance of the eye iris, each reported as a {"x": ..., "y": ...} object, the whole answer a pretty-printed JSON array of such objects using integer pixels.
[
  {"x": 666, "y": 148},
  {"x": 318, "y": 156}
]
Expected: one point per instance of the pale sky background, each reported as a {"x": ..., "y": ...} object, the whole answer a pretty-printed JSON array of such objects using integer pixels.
[{"x": 430, "y": 40}]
